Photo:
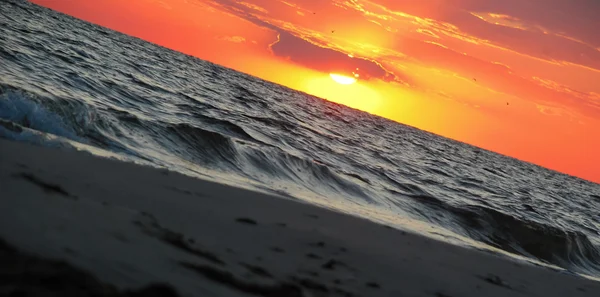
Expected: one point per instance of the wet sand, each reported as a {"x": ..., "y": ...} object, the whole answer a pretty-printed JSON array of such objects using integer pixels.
[{"x": 128, "y": 230}]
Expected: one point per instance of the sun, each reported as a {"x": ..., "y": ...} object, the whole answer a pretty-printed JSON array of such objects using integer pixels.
[{"x": 342, "y": 79}]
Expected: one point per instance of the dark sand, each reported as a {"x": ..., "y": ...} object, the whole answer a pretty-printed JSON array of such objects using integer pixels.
[{"x": 73, "y": 224}]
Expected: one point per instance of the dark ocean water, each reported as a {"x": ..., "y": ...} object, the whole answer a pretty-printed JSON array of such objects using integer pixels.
[{"x": 64, "y": 82}]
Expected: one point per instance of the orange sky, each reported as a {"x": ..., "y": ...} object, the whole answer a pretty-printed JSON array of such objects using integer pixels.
[{"x": 518, "y": 77}]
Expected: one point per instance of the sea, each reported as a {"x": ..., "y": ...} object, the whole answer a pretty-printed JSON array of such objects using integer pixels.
[{"x": 68, "y": 83}]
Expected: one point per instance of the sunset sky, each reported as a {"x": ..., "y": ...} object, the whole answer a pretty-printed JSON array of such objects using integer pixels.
[{"x": 519, "y": 77}]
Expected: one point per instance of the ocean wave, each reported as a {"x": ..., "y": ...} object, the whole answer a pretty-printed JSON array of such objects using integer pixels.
[
  {"x": 206, "y": 147},
  {"x": 569, "y": 249},
  {"x": 308, "y": 173},
  {"x": 22, "y": 107}
]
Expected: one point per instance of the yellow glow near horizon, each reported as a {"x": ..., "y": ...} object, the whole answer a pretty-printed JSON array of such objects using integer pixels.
[
  {"x": 342, "y": 79},
  {"x": 355, "y": 95}
]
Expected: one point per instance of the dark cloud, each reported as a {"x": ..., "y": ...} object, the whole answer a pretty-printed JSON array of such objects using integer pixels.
[
  {"x": 534, "y": 43},
  {"x": 575, "y": 18},
  {"x": 311, "y": 54},
  {"x": 327, "y": 60},
  {"x": 571, "y": 25}
]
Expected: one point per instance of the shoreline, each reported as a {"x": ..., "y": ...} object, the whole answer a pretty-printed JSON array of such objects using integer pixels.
[{"x": 132, "y": 226}]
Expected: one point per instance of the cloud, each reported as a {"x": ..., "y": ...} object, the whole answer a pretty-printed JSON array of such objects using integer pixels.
[
  {"x": 575, "y": 18},
  {"x": 326, "y": 60},
  {"x": 235, "y": 39},
  {"x": 591, "y": 99},
  {"x": 253, "y": 7},
  {"x": 552, "y": 29},
  {"x": 507, "y": 21},
  {"x": 301, "y": 47}
]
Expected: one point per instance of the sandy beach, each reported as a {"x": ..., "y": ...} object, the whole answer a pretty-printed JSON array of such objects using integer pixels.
[{"x": 127, "y": 226}]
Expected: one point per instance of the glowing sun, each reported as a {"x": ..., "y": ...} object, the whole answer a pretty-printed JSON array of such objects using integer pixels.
[{"x": 342, "y": 79}]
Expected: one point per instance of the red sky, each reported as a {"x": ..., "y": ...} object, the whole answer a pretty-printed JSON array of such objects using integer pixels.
[{"x": 519, "y": 77}]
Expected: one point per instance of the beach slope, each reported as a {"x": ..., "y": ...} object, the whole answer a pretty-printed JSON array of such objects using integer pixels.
[{"x": 130, "y": 226}]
